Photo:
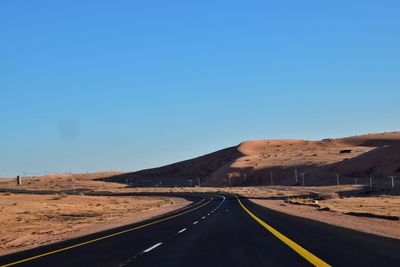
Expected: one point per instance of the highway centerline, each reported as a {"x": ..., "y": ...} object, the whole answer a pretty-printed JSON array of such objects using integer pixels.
[{"x": 163, "y": 242}]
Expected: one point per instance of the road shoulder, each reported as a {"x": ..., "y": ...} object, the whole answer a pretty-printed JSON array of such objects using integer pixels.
[{"x": 374, "y": 226}]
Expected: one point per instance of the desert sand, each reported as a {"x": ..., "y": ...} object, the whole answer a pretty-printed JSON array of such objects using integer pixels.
[
  {"x": 62, "y": 210},
  {"x": 64, "y": 182},
  {"x": 30, "y": 220}
]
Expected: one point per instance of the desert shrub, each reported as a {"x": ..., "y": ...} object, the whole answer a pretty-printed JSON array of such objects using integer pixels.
[{"x": 326, "y": 196}]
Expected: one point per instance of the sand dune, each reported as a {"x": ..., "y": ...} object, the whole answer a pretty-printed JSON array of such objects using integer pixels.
[{"x": 251, "y": 163}]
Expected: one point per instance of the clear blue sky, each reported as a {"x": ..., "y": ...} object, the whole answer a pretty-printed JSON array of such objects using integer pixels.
[{"x": 126, "y": 85}]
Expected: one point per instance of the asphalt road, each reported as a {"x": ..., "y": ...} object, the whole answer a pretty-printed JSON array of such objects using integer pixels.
[{"x": 218, "y": 231}]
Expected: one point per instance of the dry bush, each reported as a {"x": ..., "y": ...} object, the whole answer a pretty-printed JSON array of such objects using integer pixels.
[{"x": 326, "y": 196}]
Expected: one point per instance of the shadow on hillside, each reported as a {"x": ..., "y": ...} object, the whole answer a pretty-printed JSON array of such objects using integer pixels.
[
  {"x": 380, "y": 162},
  {"x": 197, "y": 171}
]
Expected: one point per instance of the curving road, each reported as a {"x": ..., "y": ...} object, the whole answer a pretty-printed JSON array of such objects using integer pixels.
[{"x": 218, "y": 230}]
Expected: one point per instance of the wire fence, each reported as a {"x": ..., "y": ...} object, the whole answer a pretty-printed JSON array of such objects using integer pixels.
[{"x": 302, "y": 179}]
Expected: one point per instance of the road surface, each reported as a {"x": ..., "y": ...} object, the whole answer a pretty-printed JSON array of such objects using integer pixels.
[{"x": 218, "y": 230}]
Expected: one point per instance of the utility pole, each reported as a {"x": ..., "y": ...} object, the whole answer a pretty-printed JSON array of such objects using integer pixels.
[
  {"x": 272, "y": 178},
  {"x": 370, "y": 182},
  {"x": 302, "y": 176},
  {"x": 337, "y": 179},
  {"x": 295, "y": 176}
]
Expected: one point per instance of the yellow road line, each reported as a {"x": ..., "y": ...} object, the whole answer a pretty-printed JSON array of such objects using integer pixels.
[
  {"x": 104, "y": 237},
  {"x": 296, "y": 247}
]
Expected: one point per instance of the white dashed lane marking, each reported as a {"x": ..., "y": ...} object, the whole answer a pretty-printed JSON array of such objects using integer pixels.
[
  {"x": 152, "y": 247},
  {"x": 184, "y": 229},
  {"x": 181, "y": 231}
]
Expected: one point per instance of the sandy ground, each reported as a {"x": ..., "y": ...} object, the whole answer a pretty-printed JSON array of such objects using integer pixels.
[
  {"x": 64, "y": 182},
  {"x": 28, "y": 221},
  {"x": 382, "y": 205}
]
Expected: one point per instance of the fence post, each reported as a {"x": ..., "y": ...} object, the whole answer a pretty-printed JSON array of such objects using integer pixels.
[
  {"x": 392, "y": 177},
  {"x": 370, "y": 182},
  {"x": 272, "y": 179}
]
